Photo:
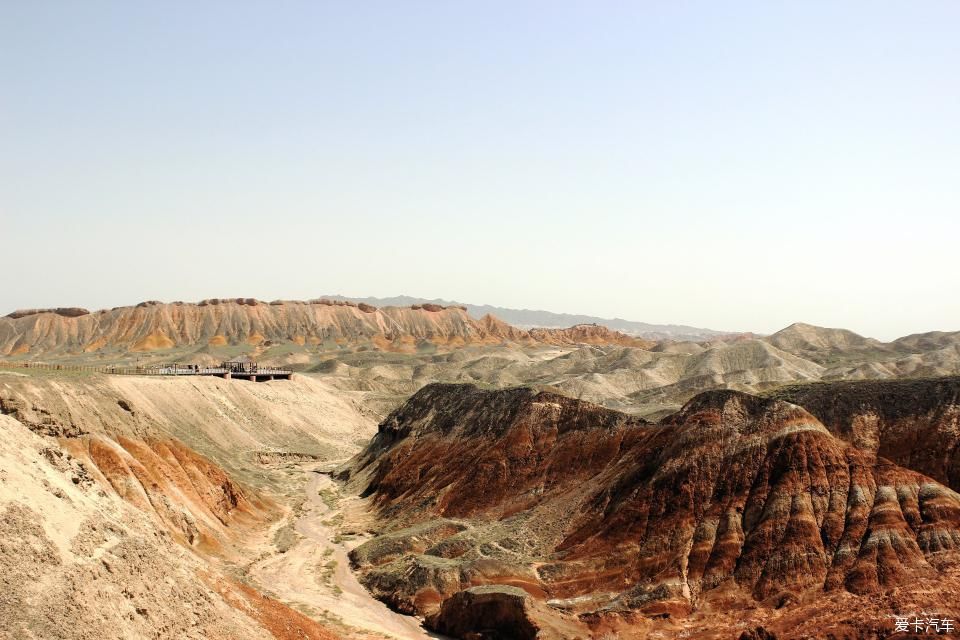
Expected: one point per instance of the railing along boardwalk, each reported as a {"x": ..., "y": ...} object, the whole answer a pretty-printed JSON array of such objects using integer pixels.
[{"x": 226, "y": 370}]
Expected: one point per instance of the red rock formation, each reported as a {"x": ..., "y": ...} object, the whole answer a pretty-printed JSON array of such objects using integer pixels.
[
  {"x": 914, "y": 423},
  {"x": 152, "y": 326},
  {"x": 496, "y": 445},
  {"x": 735, "y": 501}
]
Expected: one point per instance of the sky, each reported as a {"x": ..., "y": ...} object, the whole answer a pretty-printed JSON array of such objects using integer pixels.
[{"x": 732, "y": 165}]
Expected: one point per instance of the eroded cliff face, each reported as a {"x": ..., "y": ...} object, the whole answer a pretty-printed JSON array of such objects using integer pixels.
[
  {"x": 154, "y": 326},
  {"x": 915, "y": 423},
  {"x": 466, "y": 452},
  {"x": 734, "y": 504}
]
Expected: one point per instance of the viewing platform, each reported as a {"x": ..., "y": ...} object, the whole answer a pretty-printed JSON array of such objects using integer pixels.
[
  {"x": 226, "y": 370},
  {"x": 234, "y": 369}
]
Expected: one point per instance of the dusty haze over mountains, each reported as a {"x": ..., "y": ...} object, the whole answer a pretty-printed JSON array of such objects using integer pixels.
[
  {"x": 686, "y": 365},
  {"x": 668, "y": 163}
]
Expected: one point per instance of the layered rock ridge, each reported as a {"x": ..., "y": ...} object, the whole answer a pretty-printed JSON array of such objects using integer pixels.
[
  {"x": 155, "y": 326},
  {"x": 602, "y": 515},
  {"x": 915, "y": 423}
]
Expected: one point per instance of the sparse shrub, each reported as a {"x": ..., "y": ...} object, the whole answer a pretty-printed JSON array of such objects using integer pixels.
[{"x": 366, "y": 308}]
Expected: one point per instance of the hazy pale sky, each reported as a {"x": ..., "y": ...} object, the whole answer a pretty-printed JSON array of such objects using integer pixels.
[{"x": 734, "y": 165}]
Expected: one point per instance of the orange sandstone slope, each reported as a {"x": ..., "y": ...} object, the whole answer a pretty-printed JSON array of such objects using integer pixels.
[
  {"x": 152, "y": 326},
  {"x": 158, "y": 492},
  {"x": 737, "y": 512},
  {"x": 119, "y": 536}
]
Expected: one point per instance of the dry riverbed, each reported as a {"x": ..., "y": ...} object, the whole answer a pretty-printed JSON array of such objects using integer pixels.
[{"x": 310, "y": 569}]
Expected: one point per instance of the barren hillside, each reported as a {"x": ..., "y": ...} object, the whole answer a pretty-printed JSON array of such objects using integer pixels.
[
  {"x": 113, "y": 527},
  {"x": 144, "y": 500},
  {"x": 222, "y": 327},
  {"x": 647, "y": 381}
]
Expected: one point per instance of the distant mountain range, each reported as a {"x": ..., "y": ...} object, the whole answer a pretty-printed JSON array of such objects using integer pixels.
[
  {"x": 225, "y": 327},
  {"x": 529, "y": 318}
]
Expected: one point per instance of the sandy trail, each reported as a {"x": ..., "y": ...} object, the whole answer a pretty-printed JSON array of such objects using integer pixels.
[{"x": 315, "y": 573}]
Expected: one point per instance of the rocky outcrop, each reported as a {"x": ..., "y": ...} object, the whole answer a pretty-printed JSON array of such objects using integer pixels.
[
  {"x": 501, "y": 449},
  {"x": 588, "y": 334},
  {"x": 66, "y": 312},
  {"x": 736, "y": 498},
  {"x": 502, "y": 613},
  {"x": 759, "y": 492},
  {"x": 758, "y": 633},
  {"x": 914, "y": 423},
  {"x": 38, "y": 419}
]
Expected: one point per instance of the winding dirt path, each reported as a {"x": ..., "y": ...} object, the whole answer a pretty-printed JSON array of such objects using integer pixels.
[{"x": 315, "y": 573}]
